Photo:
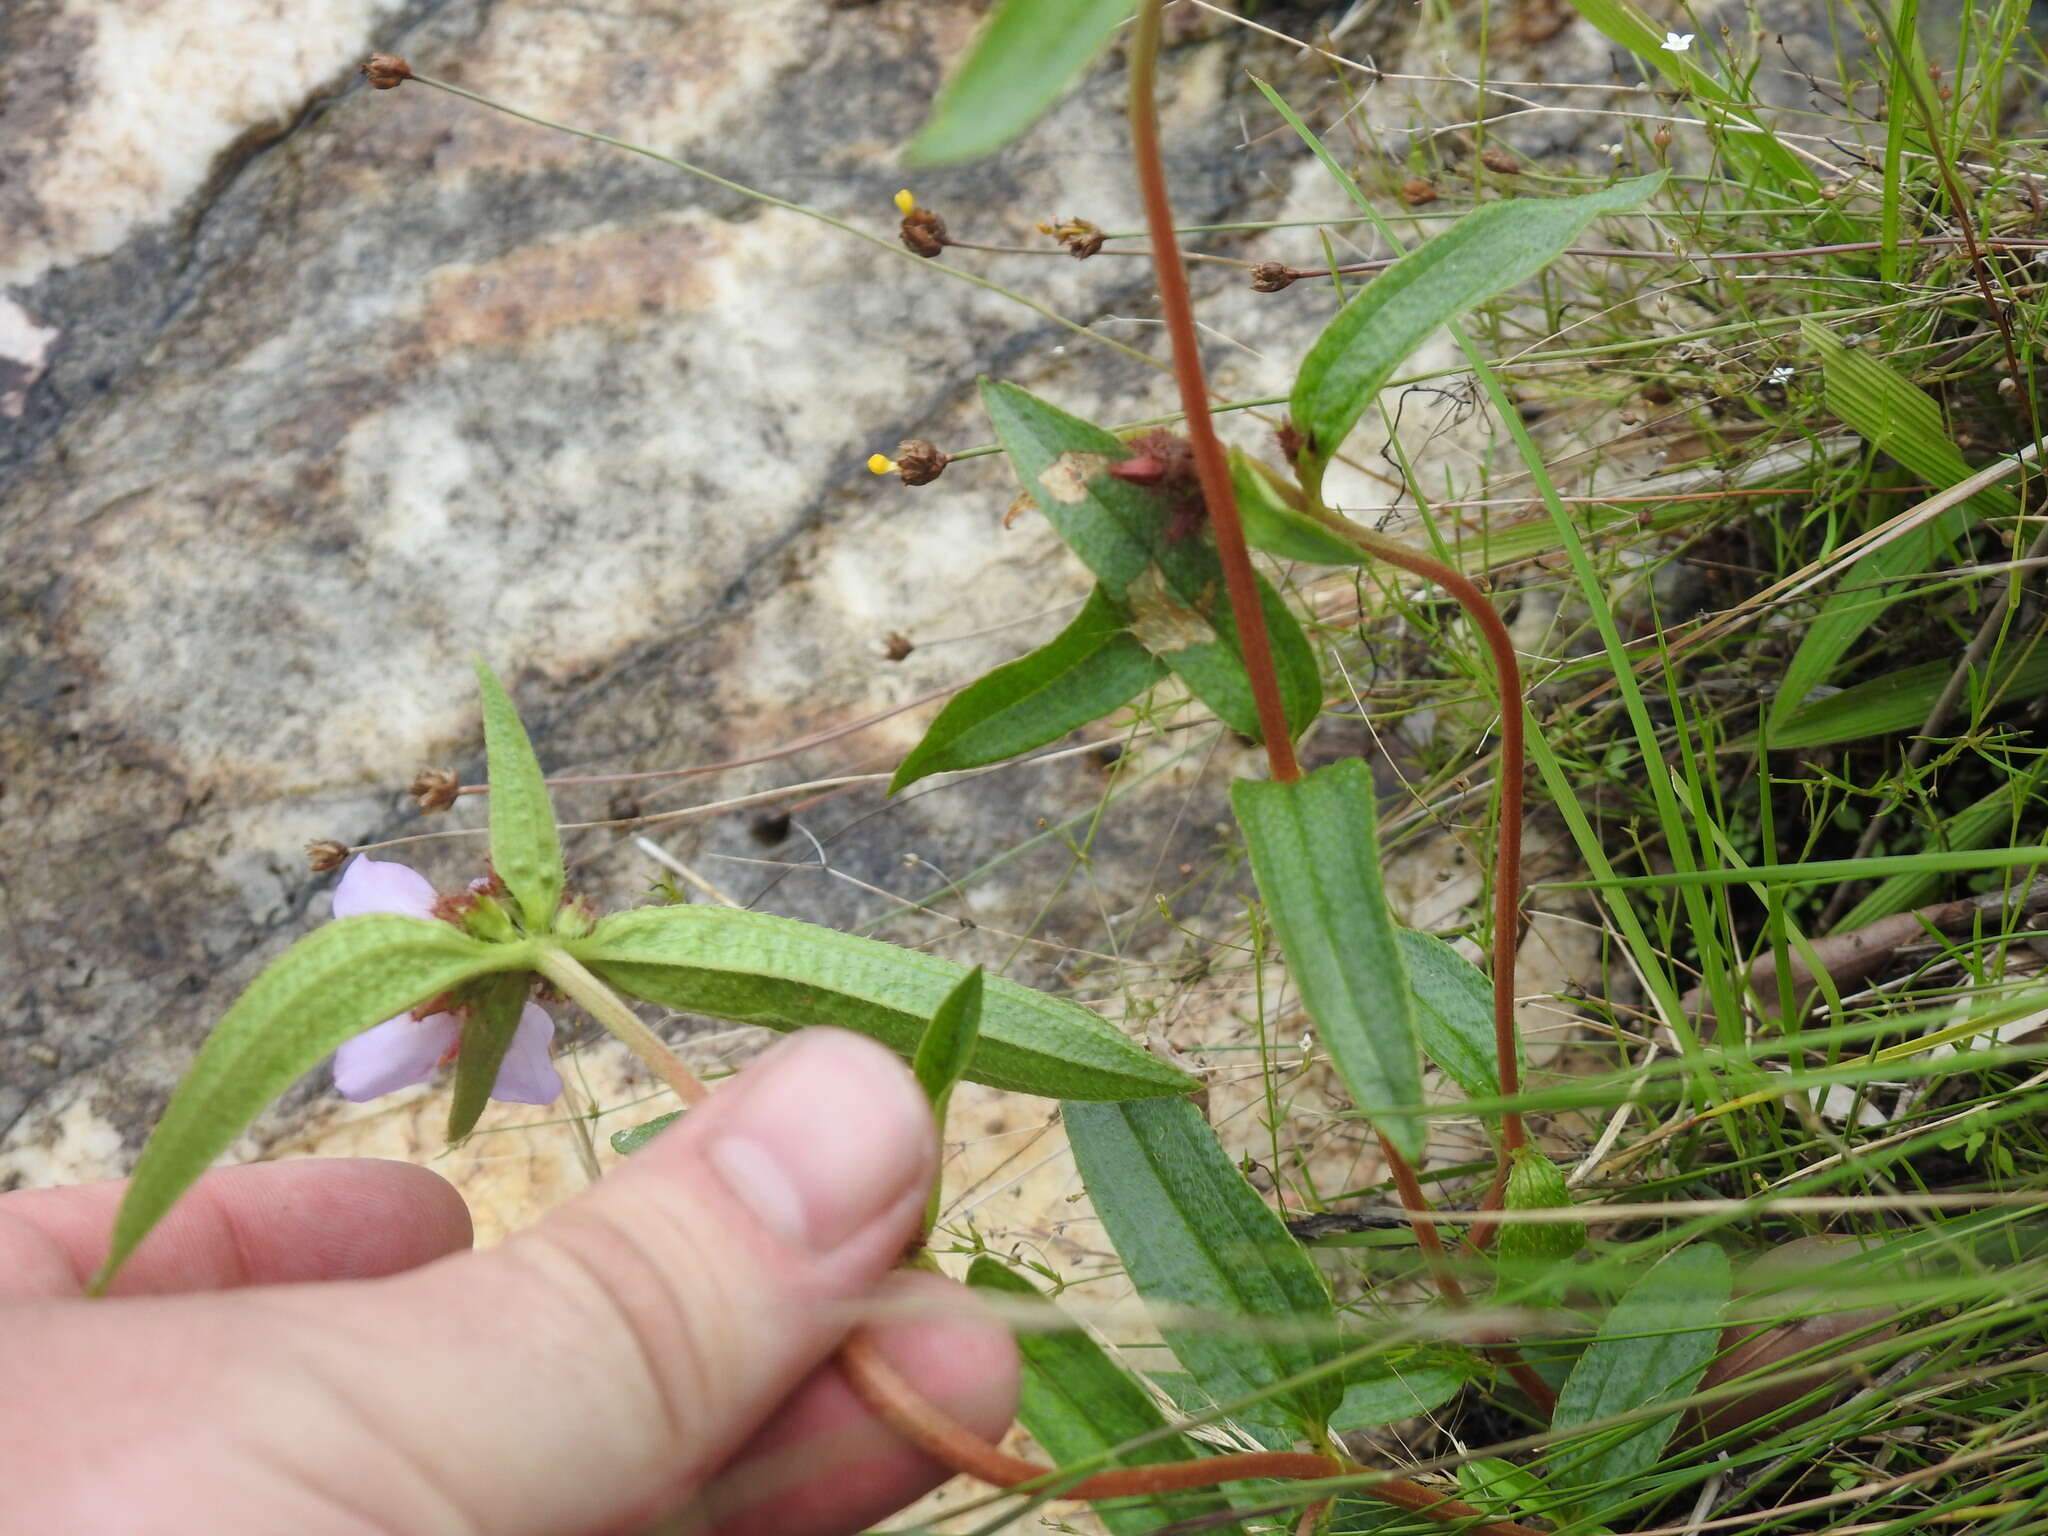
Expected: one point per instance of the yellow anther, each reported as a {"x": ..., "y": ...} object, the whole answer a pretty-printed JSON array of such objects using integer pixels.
[
  {"x": 905, "y": 202},
  {"x": 881, "y": 463}
]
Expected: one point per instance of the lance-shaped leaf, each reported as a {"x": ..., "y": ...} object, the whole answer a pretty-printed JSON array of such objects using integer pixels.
[
  {"x": 1241, "y": 1304},
  {"x": 758, "y": 969},
  {"x": 1167, "y": 587},
  {"x": 1078, "y": 1404},
  {"x": 1315, "y": 852},
  {"x": 1899, "y": 701},
  {"x": 1026, "y": 53},
  {"x": 494, "y": 1008},
  {"x": 1270, "y": 510},
  {"x": 1453, "y": 1006},
  {"x": 1898, "y": 418},
  {"x": 1392, "y": 1392},
  {"x": 634, "y": 1137},
  {"x": 334, "y": 983},
  {"x": 526, "y": 851},
  {"x": 1489, "y": 250},
  {"x": 949, "y": 1040},
  {"x": 1091, "y": 667},
  {"x": 1653, "y": 1348}
]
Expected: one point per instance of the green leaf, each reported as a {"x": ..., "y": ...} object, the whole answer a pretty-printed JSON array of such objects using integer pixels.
[
  {"x": 1196, "y": 1238},
  {"x": 1091, "y": 667},
  {"x": 1168, "y": 591},
  {"x": 1652, "y": 1348},
  {"x": 1273, "y": 522},
  {"x": 526, "y": 851},
  {"x": 1535, "y": 1183},
  {"x": 759, "y": 969},
  {"x": 948, "y": 1042},
  {"x": 1396, "y": 1394},
  {"x": 1898, "y": 418},
  {"x": 1487, "y": 251},
  {"x": 1315, "y": 852},
  {"x": 1078, "y": 1404},
  {"x": 1023, "y": 58},
  {"x": 634, "y": 1137},
  {"x": 1499, "y": 1487},
  {"x": 494, "y": 1006},
  {"x": 1453, "y": 1004},
  {"x": 336, "y": 982},
  {"x": 1898, "y": 701}
]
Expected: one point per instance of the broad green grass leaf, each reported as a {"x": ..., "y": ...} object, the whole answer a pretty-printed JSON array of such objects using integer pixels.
[
  {"x": 1194, "y": 1235},
  {"x": 1168, "y": 591},
  {"x": 1898, "y": 701},
  {"x": 1091, "y": 667},
  {"x": 336, "y": 982},
  {"x": 526, "y": 851},
  {"x": 486, "y": 1035},
  {"x": 759, "y": 969},
  {"x": 1078, "y": 1403},
  {"x": 948, "y": 1042},
  {"x": 1025, "y": 55},
  {"x": 1453, "y": 1006},
  {"x": 1652, "y": 1348},
  {"x": 1395, "y": 1394},
  {"x": 1486, "y": 252},
  {"x": 1898, "y": 418},
  {"x": 634, "y": 1137},
  {"x": 1315, "y": 852}
]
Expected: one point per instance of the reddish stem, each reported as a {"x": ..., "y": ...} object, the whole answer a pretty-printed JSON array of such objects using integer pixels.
[
  {"x": 947, "y": 1441},
  {"x": 1211, "y": 467}
]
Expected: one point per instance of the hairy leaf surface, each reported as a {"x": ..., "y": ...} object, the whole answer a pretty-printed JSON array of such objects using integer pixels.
[
  {"x": 760, "y": 969},
  {"x": 526, "y": 850}
]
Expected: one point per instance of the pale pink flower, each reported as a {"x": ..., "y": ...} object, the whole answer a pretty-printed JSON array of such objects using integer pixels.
[{"x": 405, "y": 1050}]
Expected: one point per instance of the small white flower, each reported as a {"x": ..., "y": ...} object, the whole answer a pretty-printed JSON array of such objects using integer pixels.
[
  {"x": 1677, "y": 42},
  {"x": 1616, "y": 151},
  {"x": 1782, "y": 373}
]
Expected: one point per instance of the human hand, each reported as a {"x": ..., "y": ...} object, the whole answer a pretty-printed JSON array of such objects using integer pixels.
[{"x": 309, "y": 1346}]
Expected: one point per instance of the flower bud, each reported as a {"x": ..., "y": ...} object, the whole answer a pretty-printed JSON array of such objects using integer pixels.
[
  {"x": 485, "y": 917},
  {"x": 434, "y": 789},
  {"x": 386, "y": 71}
]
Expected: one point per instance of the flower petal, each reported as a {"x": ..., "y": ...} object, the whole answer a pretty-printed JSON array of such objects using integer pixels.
[
  {"x": 383, "y": 885},
  {"x": 395, "y": 1054},
  {"x": 526, "y": 1075}
]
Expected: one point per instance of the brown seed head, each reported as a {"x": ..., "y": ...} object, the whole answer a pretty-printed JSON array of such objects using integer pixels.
[
  {"x": 1271, "y": 277},
  {"x": 1415, "y": 192},
  {"x": 1494, "y": 158},
  {"x": 1081, "y": 238},
  {"x": 923, "y": 232},
  {"x": 1662, "y": 137},
  {"x": 897, "y": 645},
  {"x": 434, "y": 789},
  {"x": 325, "y": 854},
  {"x": 386, "y": 71},
  {"x": 918, "y": 462}
]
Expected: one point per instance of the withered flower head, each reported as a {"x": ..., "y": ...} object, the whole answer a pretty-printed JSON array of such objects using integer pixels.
[
  {"x": 1271, "y": 277},
  {"x": 434, "y": 789},
  {"x": 1494, "y": 158},
  {"x": 386, "y": 71},
  {"x": 918, "y": 462},
  {"x": 1415, "y": 192},
  {"x": 325, "y": 854},
  {"x": 896, "y": 645},
  {"x": 923, "y": 232},
  {"x": 1081, "y": 238}
]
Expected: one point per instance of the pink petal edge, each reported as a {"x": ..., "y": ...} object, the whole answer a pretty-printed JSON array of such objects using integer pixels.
[
  {"x": 395, "y": 1054},
  {"x": 526, "y": 1075},
  {"x": 383, "y": 885}
]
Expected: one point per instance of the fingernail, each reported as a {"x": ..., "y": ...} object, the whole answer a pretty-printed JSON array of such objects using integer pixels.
[{"x": 824, "y": 1134}]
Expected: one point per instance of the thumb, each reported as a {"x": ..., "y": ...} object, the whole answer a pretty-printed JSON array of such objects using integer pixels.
[
  {"x": 588, "y": 1375},
  {"x": 598, "y": 1367}
]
